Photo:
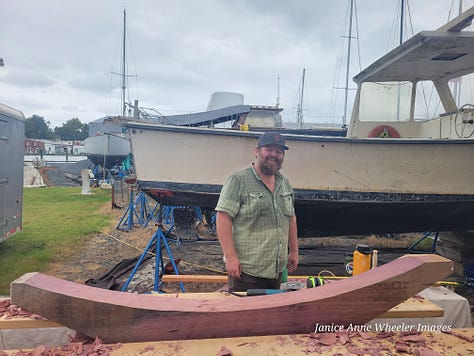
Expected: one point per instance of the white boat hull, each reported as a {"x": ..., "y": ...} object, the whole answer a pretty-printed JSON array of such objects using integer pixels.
[
  {"x": 106, "y": 149},
  {"x": 342, "y": 185}
]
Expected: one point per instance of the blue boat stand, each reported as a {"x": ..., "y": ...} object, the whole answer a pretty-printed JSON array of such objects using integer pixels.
[
  {"x": 141, "y": 209},
  {"x": 423, "y": 237},
  {"x": 159, "y": 238}
]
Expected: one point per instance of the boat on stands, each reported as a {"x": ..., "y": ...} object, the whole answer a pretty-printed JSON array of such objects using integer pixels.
[
  {"x": 125, "y": 317},
  {"x": 228, "y": 108},
  {"x": 392, "y": 172},
  {"x": 107, "y": 149}
]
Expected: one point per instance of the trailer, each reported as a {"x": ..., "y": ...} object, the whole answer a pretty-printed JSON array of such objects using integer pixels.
[{"x": 12, "y": 138}]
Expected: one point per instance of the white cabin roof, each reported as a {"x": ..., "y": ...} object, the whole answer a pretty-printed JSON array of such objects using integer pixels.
[{"x": 430, "y": 55}]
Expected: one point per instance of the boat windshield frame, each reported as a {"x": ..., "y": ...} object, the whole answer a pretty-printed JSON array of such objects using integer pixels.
[{"x": 386, "y": 101}]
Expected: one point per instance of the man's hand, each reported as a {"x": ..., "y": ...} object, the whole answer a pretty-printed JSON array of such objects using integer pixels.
[
  {"x": 233, "y": 267},
  {"x": 293, "y": 245},
  {"x": 224, "y": 233},
  {"x": 292, "y": 261}
]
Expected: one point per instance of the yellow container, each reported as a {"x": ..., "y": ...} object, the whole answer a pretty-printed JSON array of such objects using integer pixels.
[{"x": 362, "y": 259}]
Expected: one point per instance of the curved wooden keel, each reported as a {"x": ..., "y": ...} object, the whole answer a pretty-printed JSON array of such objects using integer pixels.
[{"x": 123, "y": 317}]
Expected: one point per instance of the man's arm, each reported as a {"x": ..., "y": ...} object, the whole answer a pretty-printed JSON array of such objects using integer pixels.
[
  {"x": 293, "y": 245},
  {"x": 224, "y": 233}
]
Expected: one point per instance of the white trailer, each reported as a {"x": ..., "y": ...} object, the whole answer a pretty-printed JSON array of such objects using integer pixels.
[{"x": 12, "y": 138}]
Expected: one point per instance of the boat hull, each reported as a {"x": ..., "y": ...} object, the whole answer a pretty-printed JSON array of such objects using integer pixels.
[
  {"x": 124, "y": 317},
  {"x": 343, "y": 213},
  {"x": 342, "y": 186},
  {"x": 106, "y": 149}
]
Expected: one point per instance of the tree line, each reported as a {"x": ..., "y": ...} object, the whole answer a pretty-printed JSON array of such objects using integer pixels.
[{"x": 37, "y": 128}]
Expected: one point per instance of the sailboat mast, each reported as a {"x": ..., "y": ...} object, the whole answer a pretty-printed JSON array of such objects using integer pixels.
[
  {"x": 346, "y": 88},
  {"x": 402, "y": 20},
  {"x": 124, "y": 87},
  {"x": 300, "y": 104},
  {"x": 400, "y": 41},
  {"x": 278, "y": 92}
]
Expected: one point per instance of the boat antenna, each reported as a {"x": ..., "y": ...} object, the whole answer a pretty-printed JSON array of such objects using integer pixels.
[
  {"x": 278, "y": 92},
  {"x": 124, "y": 86}
]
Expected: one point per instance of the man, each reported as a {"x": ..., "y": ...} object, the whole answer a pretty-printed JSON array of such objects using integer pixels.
[{"x": 256, "y": 222}]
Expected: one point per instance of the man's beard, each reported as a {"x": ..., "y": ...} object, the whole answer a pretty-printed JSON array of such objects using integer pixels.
[{"x": 270, "y": 166}]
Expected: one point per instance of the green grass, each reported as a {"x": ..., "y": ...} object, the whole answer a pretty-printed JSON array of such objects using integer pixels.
[{"x": 56, "y": 223}]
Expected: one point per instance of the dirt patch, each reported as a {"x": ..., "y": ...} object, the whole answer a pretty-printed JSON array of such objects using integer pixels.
[{"x": 199, "y": 252}]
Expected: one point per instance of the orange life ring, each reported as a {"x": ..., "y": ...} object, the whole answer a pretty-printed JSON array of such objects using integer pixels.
[{"x": 384, "y": 131}]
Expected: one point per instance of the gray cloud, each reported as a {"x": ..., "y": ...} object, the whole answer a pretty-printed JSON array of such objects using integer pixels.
[{"x": 59, "y": 55}]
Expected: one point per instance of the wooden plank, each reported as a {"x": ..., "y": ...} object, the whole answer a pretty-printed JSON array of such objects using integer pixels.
[
  {"x": 202, "y": 278},
  {"x": 125, "y": 317},
  {"x": 414, "y": 308},
  {"x": 27, "y": 323}
]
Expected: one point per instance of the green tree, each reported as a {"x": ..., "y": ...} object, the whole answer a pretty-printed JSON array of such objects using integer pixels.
[
  {"x": 73, "y": 129},
  {"x": 36, "y": 127}
]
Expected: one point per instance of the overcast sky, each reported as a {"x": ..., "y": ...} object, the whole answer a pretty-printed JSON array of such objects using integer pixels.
[{"x": 59, "y": 54}]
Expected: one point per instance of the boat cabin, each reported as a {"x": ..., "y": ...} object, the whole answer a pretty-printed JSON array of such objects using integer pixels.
[{"x": 414, "y": 91}]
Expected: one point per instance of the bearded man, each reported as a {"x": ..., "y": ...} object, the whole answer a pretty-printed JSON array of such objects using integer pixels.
[{"x": 256, "y": 222}]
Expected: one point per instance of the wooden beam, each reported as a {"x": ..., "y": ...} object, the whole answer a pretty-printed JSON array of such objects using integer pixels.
[
  {"x": 27, "y": 323},
  {"x": 126, "y": 317},
  {"x": 202, "y": 278}
]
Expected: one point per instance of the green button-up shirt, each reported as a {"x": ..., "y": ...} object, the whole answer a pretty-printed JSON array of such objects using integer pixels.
[{"x": 260, "y": 221}]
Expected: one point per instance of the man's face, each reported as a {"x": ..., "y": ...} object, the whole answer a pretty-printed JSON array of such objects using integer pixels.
[{"x": 270, "y": 158}]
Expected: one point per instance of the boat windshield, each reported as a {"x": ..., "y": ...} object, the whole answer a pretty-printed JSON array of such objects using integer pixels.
[
  {"x": 387, "y": 101},
  {"x": 263, "y": 118},
  {"x": 428, "y": 104}
]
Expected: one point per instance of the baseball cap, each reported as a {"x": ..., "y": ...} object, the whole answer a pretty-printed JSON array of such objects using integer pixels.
[{"x": 272, "y": 138}]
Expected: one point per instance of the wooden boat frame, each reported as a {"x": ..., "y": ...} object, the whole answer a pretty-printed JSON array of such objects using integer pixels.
[{"x": 123, "y": 317}]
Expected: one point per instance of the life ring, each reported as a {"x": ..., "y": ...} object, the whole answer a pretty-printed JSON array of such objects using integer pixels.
[{"x": 384, "y": 131}]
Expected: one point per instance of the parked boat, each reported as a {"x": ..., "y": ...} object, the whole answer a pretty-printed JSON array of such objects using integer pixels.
[
  {"x": 125, "y": 317},
  {"x": 107, "y": 150},
  {"x": 391, "y": 173},
  {"x": 227, "y": 107}
]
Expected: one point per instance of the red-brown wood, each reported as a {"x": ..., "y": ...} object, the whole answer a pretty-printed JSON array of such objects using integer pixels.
[{"x": 123, "y": 317}]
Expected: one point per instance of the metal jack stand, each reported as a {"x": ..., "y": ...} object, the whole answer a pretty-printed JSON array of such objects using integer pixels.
[
  {"x": 168, "y": 214},
  {"x": 426, "y": 235},
  {"x": 158, "y": 238},
  {"x": 127, "y": 222},
  {"x": 153, "y": 214}
]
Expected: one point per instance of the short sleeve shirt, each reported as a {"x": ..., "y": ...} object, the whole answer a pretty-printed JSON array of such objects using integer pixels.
[{"x": 260, "y": 221}]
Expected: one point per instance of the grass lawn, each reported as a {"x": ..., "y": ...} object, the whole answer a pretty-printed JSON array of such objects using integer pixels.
[{"x": 56, "y": 222}]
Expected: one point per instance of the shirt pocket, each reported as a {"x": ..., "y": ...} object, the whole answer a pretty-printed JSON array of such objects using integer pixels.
[
  {"x": 287, "y": 203},
  {"x": 257, "y": 203}
]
